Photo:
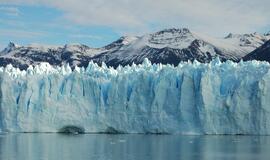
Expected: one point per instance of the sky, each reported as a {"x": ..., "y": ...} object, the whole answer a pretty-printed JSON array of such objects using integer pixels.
[{"x": 99, "y": 22}]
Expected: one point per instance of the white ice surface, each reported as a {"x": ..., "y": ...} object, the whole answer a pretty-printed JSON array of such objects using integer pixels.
[{"x": 192, "y": 98}]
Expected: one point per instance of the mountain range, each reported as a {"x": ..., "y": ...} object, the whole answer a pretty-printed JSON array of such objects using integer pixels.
[{"x": 166, "y": 46}]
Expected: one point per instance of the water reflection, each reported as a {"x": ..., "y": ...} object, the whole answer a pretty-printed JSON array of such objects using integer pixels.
[{"x": 131, "y": 147}]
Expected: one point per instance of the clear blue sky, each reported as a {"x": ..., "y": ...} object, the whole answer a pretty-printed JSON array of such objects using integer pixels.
[{"x": 99, "y": 22}]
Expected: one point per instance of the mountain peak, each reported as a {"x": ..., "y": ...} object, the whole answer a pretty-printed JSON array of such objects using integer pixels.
[
  {"x": 174, "y": 31},
  {"x": 232, "y": 35},
  {"x": 74, "y": 47},
  {"x": 172, "y": 38},
  {"x": 267, "y": 34},
  {"x": 128, "y": 39},
  {"x": 255, "y": 34},
  {"x": 124, "y": 40},
  {"x": 10, "y": 47}
]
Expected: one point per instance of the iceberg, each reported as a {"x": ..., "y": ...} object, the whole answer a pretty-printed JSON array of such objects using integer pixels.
[{"x": 191, "y": 98}]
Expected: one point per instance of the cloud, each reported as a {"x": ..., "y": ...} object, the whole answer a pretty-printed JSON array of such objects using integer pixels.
[
  {"x": 214, "y": 16},
  {"x": 10, "y": 11},
  {"x": 83, "y": 36},
  {"x": 20, "y": 33}
]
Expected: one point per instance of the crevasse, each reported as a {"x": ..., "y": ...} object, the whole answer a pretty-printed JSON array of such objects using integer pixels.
[{"x": 191, "y": 98}]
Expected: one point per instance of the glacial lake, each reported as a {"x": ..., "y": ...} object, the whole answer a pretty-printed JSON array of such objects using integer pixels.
[{"x": 37, "y": 146}]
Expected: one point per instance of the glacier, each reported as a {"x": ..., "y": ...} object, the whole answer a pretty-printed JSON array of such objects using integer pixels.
[{"x": 191, "y": 98}]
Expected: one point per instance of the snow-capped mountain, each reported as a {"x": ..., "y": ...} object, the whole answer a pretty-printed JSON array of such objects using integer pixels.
[
  {"x": 11, "y": 46},
  {"x": 23, "y": 56},
  {"x": 249, "y": 41},
  {"x": 166, "y": 46},
  {"x": 262, "y": 53},
  {"x": 175, "y": 45}
]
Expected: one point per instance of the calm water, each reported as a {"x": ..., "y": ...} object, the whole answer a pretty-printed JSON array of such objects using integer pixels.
[{"x": 131, "y": 147}]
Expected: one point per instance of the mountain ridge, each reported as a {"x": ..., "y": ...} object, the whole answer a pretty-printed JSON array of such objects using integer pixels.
[
  {"x": 261, "y": 54},
  {"x": 166, "y": 46}
]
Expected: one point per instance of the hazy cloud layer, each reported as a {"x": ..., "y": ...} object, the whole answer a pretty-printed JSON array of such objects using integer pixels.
[
  {"x": 20, "y": 33},
  {"x": 79, "y": 36},
  {"x": 10, "y": 11},
  {"x": 210, "y": 16}
]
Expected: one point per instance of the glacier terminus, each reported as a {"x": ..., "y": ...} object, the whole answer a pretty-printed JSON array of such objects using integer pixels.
[{"x": 191, "y": 98}]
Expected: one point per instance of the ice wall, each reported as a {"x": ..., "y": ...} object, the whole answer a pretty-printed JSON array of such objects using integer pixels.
[{"x": 192, "y": 98}]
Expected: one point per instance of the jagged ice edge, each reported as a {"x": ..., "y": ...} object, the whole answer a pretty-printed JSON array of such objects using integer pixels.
[{"x": 94, "y": 69}]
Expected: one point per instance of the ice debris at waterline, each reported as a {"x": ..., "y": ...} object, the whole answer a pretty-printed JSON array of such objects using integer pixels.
[{"x": 192, "y": 98}]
